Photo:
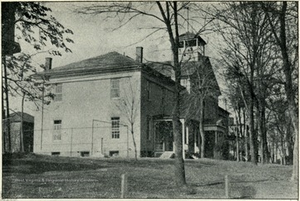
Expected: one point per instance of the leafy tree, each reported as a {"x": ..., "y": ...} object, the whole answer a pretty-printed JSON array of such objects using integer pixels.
[
  {"x": 37, "y": 27},
  {"x": 21, "y": 83}
]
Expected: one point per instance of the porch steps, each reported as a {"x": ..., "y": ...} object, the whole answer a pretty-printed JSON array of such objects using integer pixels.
[{"x": 167, "y": 154}]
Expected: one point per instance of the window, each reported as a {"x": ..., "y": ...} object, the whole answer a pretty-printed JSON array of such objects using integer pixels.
[
  {"x": 57, "y": 130},
  {"x": 58, "y": 92},
  {"x": 55, "y": 153},
  {"x": 191, "y": 43},
  {"x": 115, "y": 127},
  {"x": 115, "y": 88},
  {"x": 148, "y": 90},
  {"x": 163, "y": 98},
  {"x": 114, "y": 153},
  {"x": 84, "y": 153},
  {"x": 148, "y": 127}
]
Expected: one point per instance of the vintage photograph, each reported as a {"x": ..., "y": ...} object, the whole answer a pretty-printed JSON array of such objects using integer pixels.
[{"x": 150, "y": 100}]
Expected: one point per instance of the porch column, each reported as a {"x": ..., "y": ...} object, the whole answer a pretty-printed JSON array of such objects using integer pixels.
[
  {"x": 183, "y": 134},
  {"x": 183, "y": 137},
  {"x": 195, "y": 142},
  {"x": 216, "y": 142},
  {"x": 187, "y": 135}
]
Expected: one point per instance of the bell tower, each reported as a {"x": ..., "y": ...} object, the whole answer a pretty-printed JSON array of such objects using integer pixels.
[{"x": 191, "y": 47}]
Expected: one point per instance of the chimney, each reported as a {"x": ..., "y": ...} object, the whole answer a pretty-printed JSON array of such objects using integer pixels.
[
  {"x": 139, "y": 54},
  {"x": 48, "y": 63}
]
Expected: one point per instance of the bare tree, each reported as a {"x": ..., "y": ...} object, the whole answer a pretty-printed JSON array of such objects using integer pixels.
[
  {"x": 283, "y": 21},
  {"x": 168, "y": 14},
  {"x": 129, "y": 106},
  {"x": 203, "y": 86},
  {"x": 248, "y": 39}
]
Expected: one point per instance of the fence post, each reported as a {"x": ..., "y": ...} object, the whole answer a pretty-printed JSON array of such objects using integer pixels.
[
  {"x": 227, "y": 186},
  {"x": 71, "y": 142},
  {"x": 123, "y": 185}
]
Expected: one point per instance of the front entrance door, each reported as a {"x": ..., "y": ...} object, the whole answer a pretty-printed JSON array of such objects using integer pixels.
[{"x": 163, "y": 136}]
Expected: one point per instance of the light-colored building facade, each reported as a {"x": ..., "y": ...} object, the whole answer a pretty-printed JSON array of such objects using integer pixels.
[{"x": 95, "y": 102}]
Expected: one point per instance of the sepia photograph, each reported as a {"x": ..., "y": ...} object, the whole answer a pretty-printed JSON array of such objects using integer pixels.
[{"x": 150, "y": 100}]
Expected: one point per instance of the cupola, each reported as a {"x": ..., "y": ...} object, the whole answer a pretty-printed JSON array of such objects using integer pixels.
[{"x": 191, "y": 46}]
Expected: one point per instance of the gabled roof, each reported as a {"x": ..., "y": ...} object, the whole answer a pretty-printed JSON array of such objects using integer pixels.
[
  {"x": 111, "y": 59},
  {"x": 188, "y": 69},
  {"x": 188, "y": 36},
  {"x": 16, "y": 117},
  {"x": 164, "y": 68},
  {"x": 109, "y": 62}
]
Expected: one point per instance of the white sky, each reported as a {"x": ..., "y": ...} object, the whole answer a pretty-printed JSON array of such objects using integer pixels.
[{"x": 93, "y": 37}]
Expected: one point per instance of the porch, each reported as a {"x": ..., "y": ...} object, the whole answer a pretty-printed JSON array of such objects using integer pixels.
[{"x": 164, "y": 139}]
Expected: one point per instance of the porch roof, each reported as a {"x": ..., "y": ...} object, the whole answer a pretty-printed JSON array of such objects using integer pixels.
[{"x": 214, "y": 127}]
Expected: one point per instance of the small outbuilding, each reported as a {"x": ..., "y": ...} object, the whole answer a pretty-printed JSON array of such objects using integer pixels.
[{"x": 15, "y": 132}]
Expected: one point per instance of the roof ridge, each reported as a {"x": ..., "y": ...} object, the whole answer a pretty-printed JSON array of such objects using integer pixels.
[{"x": 110, "y": 58}]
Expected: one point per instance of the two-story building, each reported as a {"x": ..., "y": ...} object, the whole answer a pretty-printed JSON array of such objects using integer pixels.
[
  {"x": 198, "y": 77},
  {"x": 95, "y": 102},
  {"x": 98, "y": 100}
]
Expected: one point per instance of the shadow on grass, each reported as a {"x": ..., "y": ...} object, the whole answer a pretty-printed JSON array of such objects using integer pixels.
[
  {"x": 38, "y": 167},
  {"x": 237, "y": 189},
  {"x": 232, "y": 182},
  {"x": 244, "y": 192}
]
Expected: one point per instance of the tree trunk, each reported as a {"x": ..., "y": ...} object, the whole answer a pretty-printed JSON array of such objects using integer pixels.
[
  {"x": 174, "y": 40},
  {"x": 289, "y": 89},
  {"x": 239, "y": 132},
  {"x": 252, "y": 135},
  {"x": 133, "y": 139},
  {"x": 237, "y": 146},
  {"x": 4, "y": 149},
  {"x": 292, "y": 107},
  {"x": 276, "y": 151},
  {"x": 263, "y": 133},
  {"x": 289, "y": 140},
  {"x": 7, "y": 107},
  {"x": 201, "y": 141},
  {"x": 266, "y": 151},
  {"x": 179, "y": 162},
  {"x": 22, "y": 124},
  {"x": 246, "y": 136}
]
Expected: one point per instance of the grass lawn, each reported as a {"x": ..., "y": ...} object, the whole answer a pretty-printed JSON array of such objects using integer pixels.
[{"x": 35, "y": 176}]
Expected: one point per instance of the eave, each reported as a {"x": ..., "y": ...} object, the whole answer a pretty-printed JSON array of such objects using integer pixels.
[{"x": 83, "y": 72}]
